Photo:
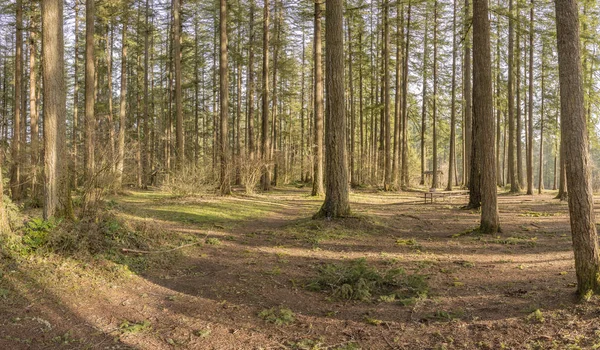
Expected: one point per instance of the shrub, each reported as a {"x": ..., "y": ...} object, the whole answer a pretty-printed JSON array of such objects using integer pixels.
[{"x": 358, "y": 281}]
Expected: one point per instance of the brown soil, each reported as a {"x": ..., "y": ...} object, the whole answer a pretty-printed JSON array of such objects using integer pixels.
[{"x": 483, "y": 290}]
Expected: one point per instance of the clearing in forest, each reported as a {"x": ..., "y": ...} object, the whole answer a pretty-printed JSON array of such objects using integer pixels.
[{"x": 255, "y": 272}]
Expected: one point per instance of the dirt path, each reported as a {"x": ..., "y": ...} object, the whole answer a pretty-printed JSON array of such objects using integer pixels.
[{"x": 512, "y": 291}]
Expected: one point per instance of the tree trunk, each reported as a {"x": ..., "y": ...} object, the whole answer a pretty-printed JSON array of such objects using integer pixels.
[
  {"x": 265, "y": 137},
  {"x": 398, "y": 97},
  {"x": 424, "y": 101},
  {"x": 147, "y": 117},
  {"x": 224, "y": 100},
  {"x": 484, "y": 115},
  {"x": 519, "y": 130},
  {"x": 337, "y": 202},
  {"x": 452, "y": 157},
  {"x": 123, "y": 101},
  {"x": 404, "y": 180},
  {"x": 541, "y": 169},
  {"x": 15, "y": 178},
  {"x": 512, "y": 176},
  {"x": 90, "y": 92},
  {"x": 75, "y": 137},
  {"x": 317, "y": 189},
  {"x": 57, "y": 197},
  {"x": 434, "y": 183},
  {"x": 387, "y": 178},
  {"x": 352, "y": 156},
  {"x": 111, "y": 126},
  {"x": 302, "y": 111},
  {"x": 468, "y": 98},
  {"x": 178, "y": 98},
  {"x": 250, "y": 88},
  {"x": 530, "y": 117},
  {"x": 574, "y": 132},
  {"x": 33, "y": 112}
]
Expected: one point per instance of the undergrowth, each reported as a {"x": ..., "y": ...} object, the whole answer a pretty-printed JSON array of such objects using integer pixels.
[
  {"x": 95, "y": 242},
  {"x": 359, "y": 281}
]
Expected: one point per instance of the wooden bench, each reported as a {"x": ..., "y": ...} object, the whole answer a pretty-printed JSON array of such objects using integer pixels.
[{"x": 432, "y": 195}]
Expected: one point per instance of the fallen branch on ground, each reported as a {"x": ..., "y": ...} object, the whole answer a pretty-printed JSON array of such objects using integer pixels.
[{"x": 125, "y": 250}]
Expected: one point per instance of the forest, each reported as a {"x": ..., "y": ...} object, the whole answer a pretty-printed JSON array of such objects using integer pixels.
[{"x": 299, "y": 174}]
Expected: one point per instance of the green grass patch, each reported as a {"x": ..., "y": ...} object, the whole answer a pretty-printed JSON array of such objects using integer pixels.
[
  {"x": 128, "y": 327},
  {"x": 278, "y": 316}
]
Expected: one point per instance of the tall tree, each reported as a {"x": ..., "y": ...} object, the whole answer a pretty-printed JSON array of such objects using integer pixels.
[
  {"x": 15, "y": 178},
  {"x": 337, "y": 202},
  {"x": 265, "y": 137},
  {"x": 398, "y": 97},
  {"x": 250, "y": 82},
  {"x": 57, "y": 197},
  {"x": 387, "y": 170},
  {"x": 404, "y": 174},
  {"x": 512, "y": 171},
  {"x": 574, "y": 131},
  {"x": 467, "y": 96},
  {"x": 452, "y": 146},
  {"x": 483, "y": 112},
  {"x": 147, "y": 117},
  {"x": 76, "y": 134},
  {"x": 542, "y": 111},
  {"x": 434, "y": 183},
  {"x": 90, "y": 91},
  {"x": 530, "y": 110},
  {"x": 317, "y": 189},
  {"x": 123, "y": 99},
  {"x": 33, "y": 109},
  {"x": 424, "y": 99},
  {"x": 225, "y": 185},
  {"x": 177, "y": 70}
]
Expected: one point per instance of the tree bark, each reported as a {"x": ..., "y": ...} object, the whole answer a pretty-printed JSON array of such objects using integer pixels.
[
  {"x": 265, "y": 137},
  {"x": 224, "y": 100},
  {"x": 468, "y": 98},
  {"x": 404, "y": 180},
  {"x": 484, "y": 115},
  {"x": 178, "y": 97},
  {"x": 542, "y": 111},
  {"x": 452, "y": 152},
  {"x": 90, "y": 92},
  {"x": 530, "y": 117},
  {"x": 317, "y": 189},
  {"x": 387, "y": 177},
  {"x": 424, "y": 101},
  {"x": 33, "y": 111},
  {"x": 435, "y": 181},
  {"x": 15, "y": 178},
  {"x": 250, "y": 88},
  {"x": 123, "y": 101},
  {"x": 512, "y": 176},
  {"x": 574, "y": 132},
  {"x": 57, "y": 197},
  {"x": 337, "y": 203}
]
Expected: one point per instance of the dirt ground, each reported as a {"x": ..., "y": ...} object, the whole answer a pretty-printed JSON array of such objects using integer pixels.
[{"x": 255, "y": 256}]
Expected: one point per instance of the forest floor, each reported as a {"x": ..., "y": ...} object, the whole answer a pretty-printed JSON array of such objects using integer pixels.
[{"x": 257, "y": 272}]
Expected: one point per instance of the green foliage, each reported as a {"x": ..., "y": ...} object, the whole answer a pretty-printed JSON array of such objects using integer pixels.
[
  {"x": 358, "y": 281},
  {"x": 278, "y": 316},
  {"x": 373, "y": 321},
  {"x": 203, "y": 333},
  {"x": 536, "y": 317},
  {"x": 213, "y": 241},
  {"x": 444, "y": 316},
  {"x": 36, "y": 232},
  {"x": 133, "y": 327},
  {"x": 515, "y": 240}
]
